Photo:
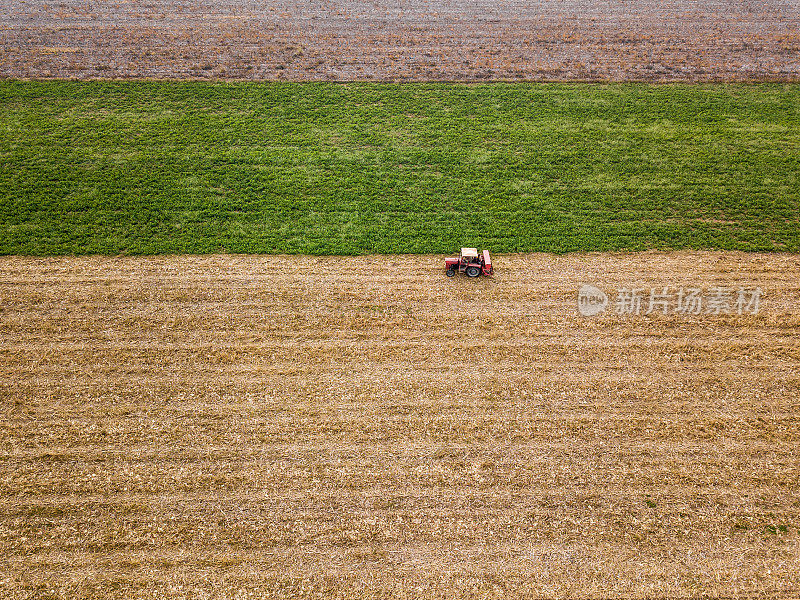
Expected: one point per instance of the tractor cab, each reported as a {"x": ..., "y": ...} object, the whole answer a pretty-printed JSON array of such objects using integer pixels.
[{"x": 469, "y": 256}]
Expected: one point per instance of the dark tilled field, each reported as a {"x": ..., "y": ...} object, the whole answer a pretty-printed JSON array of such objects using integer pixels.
[{"x": 643, "y": 40}]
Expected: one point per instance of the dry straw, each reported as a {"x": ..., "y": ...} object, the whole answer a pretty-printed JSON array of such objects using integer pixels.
[{"x": 248, "y": 426}]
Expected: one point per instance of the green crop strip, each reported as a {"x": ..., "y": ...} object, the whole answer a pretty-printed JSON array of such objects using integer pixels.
[{"x": 317, "y": 168}]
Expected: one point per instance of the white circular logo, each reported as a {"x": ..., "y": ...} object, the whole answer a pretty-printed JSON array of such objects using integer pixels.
[{"x": 591, "y": 300}]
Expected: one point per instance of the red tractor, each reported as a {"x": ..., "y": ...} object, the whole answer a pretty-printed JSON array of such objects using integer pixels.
[{"x": 470, "y": 263}]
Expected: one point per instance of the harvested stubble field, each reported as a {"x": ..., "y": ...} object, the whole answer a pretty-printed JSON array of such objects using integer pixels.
[
  {"x": 363, "y": 427},
  {"x": 619, "y": 40}
]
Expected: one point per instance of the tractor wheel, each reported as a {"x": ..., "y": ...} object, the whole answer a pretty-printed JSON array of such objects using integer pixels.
[
  {"x": 472, "y": 271},
  {"x": 450, "y": 272}
]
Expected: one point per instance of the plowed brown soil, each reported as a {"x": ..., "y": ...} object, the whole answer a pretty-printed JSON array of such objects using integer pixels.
[
  {"x": 259, "y": 426},
  {"x": 641, "y": 40}
]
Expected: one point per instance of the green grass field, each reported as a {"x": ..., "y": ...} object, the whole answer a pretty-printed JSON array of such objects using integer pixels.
[{"x": 156, "y": 167}]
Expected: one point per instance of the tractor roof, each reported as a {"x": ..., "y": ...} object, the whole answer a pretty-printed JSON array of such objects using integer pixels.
[{"x": 469, "y": 252}]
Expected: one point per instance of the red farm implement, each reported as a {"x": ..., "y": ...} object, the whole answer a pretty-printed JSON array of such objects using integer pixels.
[{"x": 470, "y": 263}]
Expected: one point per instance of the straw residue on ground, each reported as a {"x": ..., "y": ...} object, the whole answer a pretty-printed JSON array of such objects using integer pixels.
[{"x": 357, "y": 427}]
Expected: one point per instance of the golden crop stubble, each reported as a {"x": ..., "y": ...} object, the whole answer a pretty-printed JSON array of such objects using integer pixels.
[{"x": 297, "y": 423}]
